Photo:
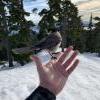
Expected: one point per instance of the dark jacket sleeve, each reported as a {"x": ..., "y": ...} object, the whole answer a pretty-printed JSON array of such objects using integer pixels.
[{"x": 41, "y": 94}]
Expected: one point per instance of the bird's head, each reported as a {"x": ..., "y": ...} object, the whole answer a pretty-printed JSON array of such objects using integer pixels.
[{"x": 53, "y": 30}]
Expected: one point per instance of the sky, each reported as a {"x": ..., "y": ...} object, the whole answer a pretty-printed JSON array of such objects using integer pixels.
[{"x": 85, "y": 7}]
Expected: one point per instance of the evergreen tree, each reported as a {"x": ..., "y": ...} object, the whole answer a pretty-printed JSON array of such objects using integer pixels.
[
  {"x": 13, "y": 24},
  {"x": 97, "y": 35},
  {"x": 64, "y": 14},
  {"x": 93, "y": 36},
  {"x": 5, "y": 29},
  {"x": 90, "y": 23},
  {"x": 90, "y": 36}
]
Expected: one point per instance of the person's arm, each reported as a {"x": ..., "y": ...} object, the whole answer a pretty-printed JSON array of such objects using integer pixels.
[
  {"x": 53, "y": 75},
  {"x": 42, "y": 93}
]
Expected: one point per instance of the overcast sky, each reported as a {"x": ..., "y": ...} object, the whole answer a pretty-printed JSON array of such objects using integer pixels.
[{"x": 85, "y": 7}]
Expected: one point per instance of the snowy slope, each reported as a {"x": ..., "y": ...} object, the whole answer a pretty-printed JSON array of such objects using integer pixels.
[{"x": 83, "y": 84}]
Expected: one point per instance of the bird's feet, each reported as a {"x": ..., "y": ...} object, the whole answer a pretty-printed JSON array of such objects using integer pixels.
[{"x": 54, "y": 55}]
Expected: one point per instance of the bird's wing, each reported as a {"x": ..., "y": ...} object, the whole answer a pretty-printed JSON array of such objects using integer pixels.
[
  {"x": 22, "y": 50},
  {"x": 51, "y": 41}
]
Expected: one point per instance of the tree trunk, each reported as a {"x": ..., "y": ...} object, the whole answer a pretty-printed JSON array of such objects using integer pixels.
[
  {"x": 7, "y": 43},
  {"x": 99, "y": 54},
  {"x": 63, "y": 45},
  {"x": 9, "y": 54},
  {"x": 63, "y": 32}
]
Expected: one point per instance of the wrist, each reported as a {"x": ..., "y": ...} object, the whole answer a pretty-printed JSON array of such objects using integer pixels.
[
  {"x": 46, "y": 93},
  {"x": 49, "y": 88}
]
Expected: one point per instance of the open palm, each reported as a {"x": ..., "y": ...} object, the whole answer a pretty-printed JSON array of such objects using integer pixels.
[{"x": 54, "y": 74}]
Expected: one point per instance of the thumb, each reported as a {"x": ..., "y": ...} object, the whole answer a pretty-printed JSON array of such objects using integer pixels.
[{"x": 37, "y": 61}]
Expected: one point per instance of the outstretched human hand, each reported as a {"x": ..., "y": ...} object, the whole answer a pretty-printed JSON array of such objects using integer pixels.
[{"x": 55, "y": 73}]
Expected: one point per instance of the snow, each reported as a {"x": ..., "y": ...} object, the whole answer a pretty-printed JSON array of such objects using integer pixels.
[{"x": 83, "y": 84}]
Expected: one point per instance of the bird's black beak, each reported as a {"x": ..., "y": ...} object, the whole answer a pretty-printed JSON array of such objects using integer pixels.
[{"x": 54, "y": 55}]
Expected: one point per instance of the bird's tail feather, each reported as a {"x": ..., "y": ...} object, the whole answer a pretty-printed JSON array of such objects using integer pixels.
[{"x": 24, "y": 50}]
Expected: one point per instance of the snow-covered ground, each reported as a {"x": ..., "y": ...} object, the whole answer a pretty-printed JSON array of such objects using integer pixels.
[{"x": 83, "y": 84}]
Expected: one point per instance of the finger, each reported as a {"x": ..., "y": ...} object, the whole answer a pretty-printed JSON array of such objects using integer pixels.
[
  {"x": 71, "y": 69},
  {"x": 58, "y": 56},
  {"x": 69, "y": 61},
  {"x": 63, "y": 56},
  {"x": 37, "y": 61}
]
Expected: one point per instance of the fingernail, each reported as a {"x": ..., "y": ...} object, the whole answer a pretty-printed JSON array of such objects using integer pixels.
[
  {"x": 71, "y": 46},
  {"x": 31, "y": 57}
]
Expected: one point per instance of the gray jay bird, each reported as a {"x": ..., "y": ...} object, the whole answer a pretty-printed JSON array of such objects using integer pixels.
[{"x": 50, "y": 43}]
